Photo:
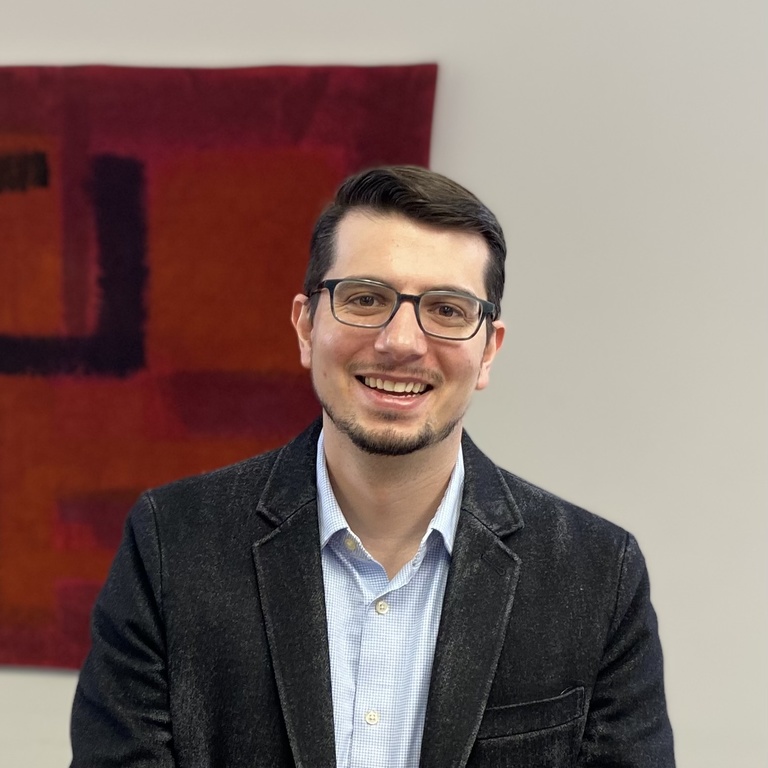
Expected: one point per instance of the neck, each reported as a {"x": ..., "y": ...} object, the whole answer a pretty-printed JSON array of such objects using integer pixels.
[{"x": 389, "y": 501}]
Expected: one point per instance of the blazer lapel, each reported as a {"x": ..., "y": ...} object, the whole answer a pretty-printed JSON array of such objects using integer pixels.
[
  {"x": 476, "y": 610},
  {"x": 290, "y": 583}
]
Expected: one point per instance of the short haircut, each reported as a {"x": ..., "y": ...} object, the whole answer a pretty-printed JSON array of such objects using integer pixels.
[{"x": 418, "y": 194}]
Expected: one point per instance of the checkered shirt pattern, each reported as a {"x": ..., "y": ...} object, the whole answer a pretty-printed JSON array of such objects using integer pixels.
[{"x": 382, "y": 633}]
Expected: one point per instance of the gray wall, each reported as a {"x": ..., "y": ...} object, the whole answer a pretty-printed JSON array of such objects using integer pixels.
[{"x": 625, "y": 147}]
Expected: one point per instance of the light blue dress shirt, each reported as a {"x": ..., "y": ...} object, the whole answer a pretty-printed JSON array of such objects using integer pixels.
[{"x": 382, "y": 633}]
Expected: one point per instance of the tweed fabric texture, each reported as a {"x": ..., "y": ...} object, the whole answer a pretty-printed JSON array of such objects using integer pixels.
[{"x": 210, "y": 642}]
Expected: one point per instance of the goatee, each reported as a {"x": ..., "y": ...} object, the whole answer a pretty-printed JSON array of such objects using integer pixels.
[{"x": 388, "y": 442}]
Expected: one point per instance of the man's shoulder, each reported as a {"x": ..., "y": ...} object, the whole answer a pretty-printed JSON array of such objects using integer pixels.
[
  {"x": 241, "y": 484},
  {"x": 253, "y": 469},
  {"x": 539, "y": 506},
  {"x": 567, "y": 541},
  {"x": 512, "y": 503}
]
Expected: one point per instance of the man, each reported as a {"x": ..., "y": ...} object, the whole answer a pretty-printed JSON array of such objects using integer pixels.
[{"x": 378, "y": 593}]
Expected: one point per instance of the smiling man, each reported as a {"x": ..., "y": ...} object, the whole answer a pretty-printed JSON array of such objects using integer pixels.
[{"x": 377, "y": 593}]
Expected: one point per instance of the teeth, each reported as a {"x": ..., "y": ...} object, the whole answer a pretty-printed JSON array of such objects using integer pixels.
[{"x": 395, "y": 386}]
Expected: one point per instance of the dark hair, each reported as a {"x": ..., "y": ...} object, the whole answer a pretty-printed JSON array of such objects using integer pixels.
[{"x": 418, "y": 194}]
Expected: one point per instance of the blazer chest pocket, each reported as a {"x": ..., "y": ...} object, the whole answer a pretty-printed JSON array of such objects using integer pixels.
[{"x": 532, "y": 716}]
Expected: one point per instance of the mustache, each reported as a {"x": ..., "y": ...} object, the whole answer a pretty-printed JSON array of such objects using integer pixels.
[{"x": 422, "y": 374}]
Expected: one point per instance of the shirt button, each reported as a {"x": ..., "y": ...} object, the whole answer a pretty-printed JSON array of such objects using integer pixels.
[
  {"x": 372, "y": 717},
  {"x": 350, "y": 544},
  {"x": 382, "y": 607}
]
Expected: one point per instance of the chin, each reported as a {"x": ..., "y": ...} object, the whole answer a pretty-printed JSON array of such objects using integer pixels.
[{"x": 389, "y": 441}]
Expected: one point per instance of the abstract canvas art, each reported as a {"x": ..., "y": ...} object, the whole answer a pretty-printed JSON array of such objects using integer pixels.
[{"x": 153, "y": 230}]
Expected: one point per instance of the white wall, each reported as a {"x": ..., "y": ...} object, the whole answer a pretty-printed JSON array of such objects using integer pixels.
[{"x": 624, "y": 145}]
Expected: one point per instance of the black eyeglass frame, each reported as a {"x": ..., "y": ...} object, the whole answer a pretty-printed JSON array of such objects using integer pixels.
[{"x": 488, "y": 308}]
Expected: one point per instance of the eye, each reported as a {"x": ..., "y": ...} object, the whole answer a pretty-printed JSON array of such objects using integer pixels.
[
  {"x": 356, "y": 299},
  {"x": 452, "y": 311},
  {"x": 449, "y": 311},
  {"x": 365, "y": 300}
]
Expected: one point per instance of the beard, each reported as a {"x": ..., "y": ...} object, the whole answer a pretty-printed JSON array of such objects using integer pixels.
[{"x": 388, "y": 442}]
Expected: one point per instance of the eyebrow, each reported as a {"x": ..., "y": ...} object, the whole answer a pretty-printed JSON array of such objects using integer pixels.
[{"x": 442, "y": 287}]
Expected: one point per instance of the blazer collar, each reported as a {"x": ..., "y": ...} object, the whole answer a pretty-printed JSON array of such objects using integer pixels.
[
  {"x": 292, "y": 484},
  {"x": 486, "y": 493}
]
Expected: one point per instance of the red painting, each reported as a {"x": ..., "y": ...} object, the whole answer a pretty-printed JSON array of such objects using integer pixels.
[{"x": 153, "y": 229}]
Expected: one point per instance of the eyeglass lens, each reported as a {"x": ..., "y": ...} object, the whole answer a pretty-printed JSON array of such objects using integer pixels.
[{"x": 442, "y": 313}]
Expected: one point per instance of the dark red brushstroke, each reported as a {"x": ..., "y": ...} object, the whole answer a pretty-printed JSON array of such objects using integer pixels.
[
  {"x": 22, "y": 171},
  {"x": 244, "y": 403},
  {"x": 117, "y": 346}
]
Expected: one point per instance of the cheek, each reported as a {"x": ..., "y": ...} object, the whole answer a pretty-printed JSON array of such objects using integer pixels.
[
  {"x": 464, "y": 371},
  {"x": 330, "y": 351},
  {"x": 477, "y": 370}
]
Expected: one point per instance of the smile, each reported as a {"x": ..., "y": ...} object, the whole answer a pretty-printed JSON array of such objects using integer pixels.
[{"x": 398, "y": 387}]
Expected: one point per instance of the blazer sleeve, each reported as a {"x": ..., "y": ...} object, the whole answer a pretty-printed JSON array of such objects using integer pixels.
[
  {"x": 120, "y": 715},
  {"x": 627, "y": 724}
]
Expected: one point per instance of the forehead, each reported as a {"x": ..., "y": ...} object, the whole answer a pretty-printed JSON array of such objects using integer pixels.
[{"x": 410, "y": 255}]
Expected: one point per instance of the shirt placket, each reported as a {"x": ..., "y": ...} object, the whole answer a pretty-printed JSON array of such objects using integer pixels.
[{"x": 375, "y": 715}]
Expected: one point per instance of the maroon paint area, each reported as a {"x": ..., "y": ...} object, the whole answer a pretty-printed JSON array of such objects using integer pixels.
[{"x": 129, "y": 395}]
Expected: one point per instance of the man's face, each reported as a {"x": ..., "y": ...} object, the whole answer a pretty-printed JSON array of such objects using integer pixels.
[{"x": 348, "y": 362}]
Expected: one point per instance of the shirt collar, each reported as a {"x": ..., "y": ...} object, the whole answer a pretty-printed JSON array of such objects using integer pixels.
[{"x": 332, "y": 519}]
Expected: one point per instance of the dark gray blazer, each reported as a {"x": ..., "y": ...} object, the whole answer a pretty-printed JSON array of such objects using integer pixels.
[{"x": 210, "y": 646}]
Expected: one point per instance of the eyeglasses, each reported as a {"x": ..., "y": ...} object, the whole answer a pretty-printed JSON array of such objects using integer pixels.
[{"x": 442, "y": 314}]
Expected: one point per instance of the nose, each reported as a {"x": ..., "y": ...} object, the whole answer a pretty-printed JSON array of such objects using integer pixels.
[{"x": 402, "y": 336}]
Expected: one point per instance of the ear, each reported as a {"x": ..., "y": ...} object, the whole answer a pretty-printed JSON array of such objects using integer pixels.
[
  {"x": 303, "y": 325},
  {"x": 492, "y": 346}
]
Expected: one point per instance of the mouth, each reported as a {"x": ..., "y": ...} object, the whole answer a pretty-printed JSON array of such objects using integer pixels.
[{"x": 403, "y": 388}]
